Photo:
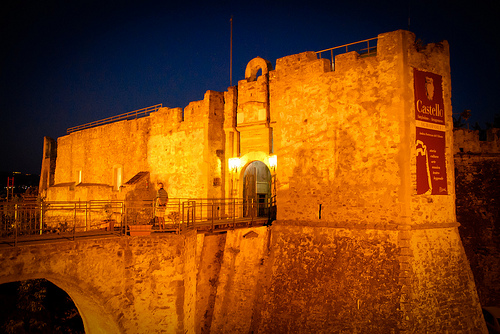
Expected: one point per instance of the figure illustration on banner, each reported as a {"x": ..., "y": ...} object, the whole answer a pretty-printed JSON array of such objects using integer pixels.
[{"x": 424, "y": 186}]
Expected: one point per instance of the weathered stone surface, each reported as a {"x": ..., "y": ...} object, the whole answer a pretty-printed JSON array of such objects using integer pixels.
[
  {"x": 209, "y": 267},
  {"x": 119, "y": 285},
  {"x": 327, "y": 280},
  {"x": 354, "y": 248},
  {"x": 440, "y": 269},
  {"x": 180, "y": 152},
  {"x": 239, "y": 286},
  {"x": 477, "y": 166}
]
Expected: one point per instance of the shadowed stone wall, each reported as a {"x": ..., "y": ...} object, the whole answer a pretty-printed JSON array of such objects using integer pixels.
[{"x": 477, "y": 165}]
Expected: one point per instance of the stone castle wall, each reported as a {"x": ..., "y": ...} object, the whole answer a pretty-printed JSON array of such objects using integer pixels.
[
  {"x": 119, "y": 285},
  {"x": 277, "y": 279},
  {"x": 477, "y": 165},
  {"x": 179, "y": 152},
  {"x": 347, "y": 160},
  {"x": 324, "y": 278},
  {"x": 337, "y": 146},
  {"x": 467, "y": 141},
  {"x": 343, "y": 137},
  {"x": 353, "y": 247}
]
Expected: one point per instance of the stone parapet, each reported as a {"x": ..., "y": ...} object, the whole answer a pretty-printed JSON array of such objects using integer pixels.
[{"x": 468, "y": 141}]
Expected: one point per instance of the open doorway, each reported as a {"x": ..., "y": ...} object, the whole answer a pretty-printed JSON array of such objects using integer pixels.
[{"x": 257, "y": 190}]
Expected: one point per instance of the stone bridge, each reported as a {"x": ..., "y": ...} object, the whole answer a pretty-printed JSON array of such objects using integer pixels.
[
  {"x": 284, "y": 278},
  {"x": 159, "y": 283}
]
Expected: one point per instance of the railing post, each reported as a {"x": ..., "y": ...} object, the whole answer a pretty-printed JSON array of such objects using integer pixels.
[
  {"x": 88, "y": 225},
  {"x": 234, "y": 212},
  {"x": 15, "y": 223},
  {"x": 181, "y": 213},
  {"x": 122, "y": 216},
  {"x": 193, "y": 214},
  {"x": 181, "y": 219},
  {"x": 331, "y": 52},
  {"x": 74, "y": 221},
  {"x": 212, "y": 215},
  {"x": 125, "y": 220},
  {"x": 42, "y": 215},
  {"x": 86, "y": 215}
]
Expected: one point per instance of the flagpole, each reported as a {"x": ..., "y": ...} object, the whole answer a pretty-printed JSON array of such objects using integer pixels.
[{"x": 231, "y": 56}]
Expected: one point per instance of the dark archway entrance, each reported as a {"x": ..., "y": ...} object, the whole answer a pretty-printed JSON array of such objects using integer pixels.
[{"x": 257, "y": 195}]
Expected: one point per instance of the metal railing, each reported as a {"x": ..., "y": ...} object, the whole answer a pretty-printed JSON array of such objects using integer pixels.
[
  {"x": 366, "y": 47},
  {"x": 35, "y": 221},
  {"x": 126, "y": 116},
  {"x": 27, "y": 220}
]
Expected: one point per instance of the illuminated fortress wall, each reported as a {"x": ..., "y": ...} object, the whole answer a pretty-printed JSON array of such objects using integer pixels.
[
  {"x": 345, "y": 138},
  {"x": 366, "y": 238},
  {"x": 181, "y": 153}
]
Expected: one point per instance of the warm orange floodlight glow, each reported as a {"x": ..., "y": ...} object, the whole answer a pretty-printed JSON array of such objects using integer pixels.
[
  {"x": 234, "y": 164},
  {"x": 273, "y": 161}
]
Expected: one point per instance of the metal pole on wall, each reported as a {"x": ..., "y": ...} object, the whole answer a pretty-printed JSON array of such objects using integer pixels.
[
  {"x": 41, "y": 216},
  {"x": 74, "y": 219},
  {"x": 15, "y": 224}
]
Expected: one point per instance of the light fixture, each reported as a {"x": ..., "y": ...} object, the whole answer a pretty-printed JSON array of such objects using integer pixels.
[
  {"x": 234, "y": 164},
  {"x": 273, "y": 162}
]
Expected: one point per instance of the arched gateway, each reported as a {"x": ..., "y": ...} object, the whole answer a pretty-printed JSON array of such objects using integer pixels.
[{"x": 257, "y": 183}]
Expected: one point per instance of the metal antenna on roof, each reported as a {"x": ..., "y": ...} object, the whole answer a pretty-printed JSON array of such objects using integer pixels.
[{"x": 231, "y": 56}]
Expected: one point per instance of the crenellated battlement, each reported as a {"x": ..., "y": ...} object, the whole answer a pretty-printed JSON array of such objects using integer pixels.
[{"x": 470, "y": 141}]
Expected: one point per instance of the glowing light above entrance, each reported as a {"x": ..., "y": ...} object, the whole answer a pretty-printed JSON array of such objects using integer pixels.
[
  {"x": 273, "y": 162},
  {"x": 234, "y": 164}
]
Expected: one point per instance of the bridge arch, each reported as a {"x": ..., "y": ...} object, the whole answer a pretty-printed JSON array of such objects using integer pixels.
[
  {"x": 118, "y": 284},
  {"x": 95, "y": 317}
]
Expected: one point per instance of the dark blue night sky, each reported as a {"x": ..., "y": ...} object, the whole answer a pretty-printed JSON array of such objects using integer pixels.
[{"x": 65, "y": 63}]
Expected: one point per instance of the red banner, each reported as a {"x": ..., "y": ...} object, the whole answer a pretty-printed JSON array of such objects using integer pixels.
[
  {"x": 429, "y": 105},
  {"x": 431, "y": 162}
]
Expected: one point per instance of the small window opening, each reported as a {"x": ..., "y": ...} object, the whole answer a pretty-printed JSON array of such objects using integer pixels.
[{"x": 259, "y": 73}]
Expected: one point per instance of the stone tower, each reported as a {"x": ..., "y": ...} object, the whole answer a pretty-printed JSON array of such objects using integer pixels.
[{"x": 366, "y": 238}]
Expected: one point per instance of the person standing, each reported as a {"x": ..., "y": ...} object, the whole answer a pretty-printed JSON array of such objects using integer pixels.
[{"x": 161, "y": 205}]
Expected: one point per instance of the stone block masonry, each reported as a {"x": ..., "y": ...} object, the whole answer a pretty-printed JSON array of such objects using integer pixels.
[
  {"x": 119, "y": 285},
  {"x": 178, "y": 148},
  {"x": 477, "y": 168},
  {"x": 357, "y": 246},
  {"x": 332, "y": 280},
  {"x": 279, "y": 279}
]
